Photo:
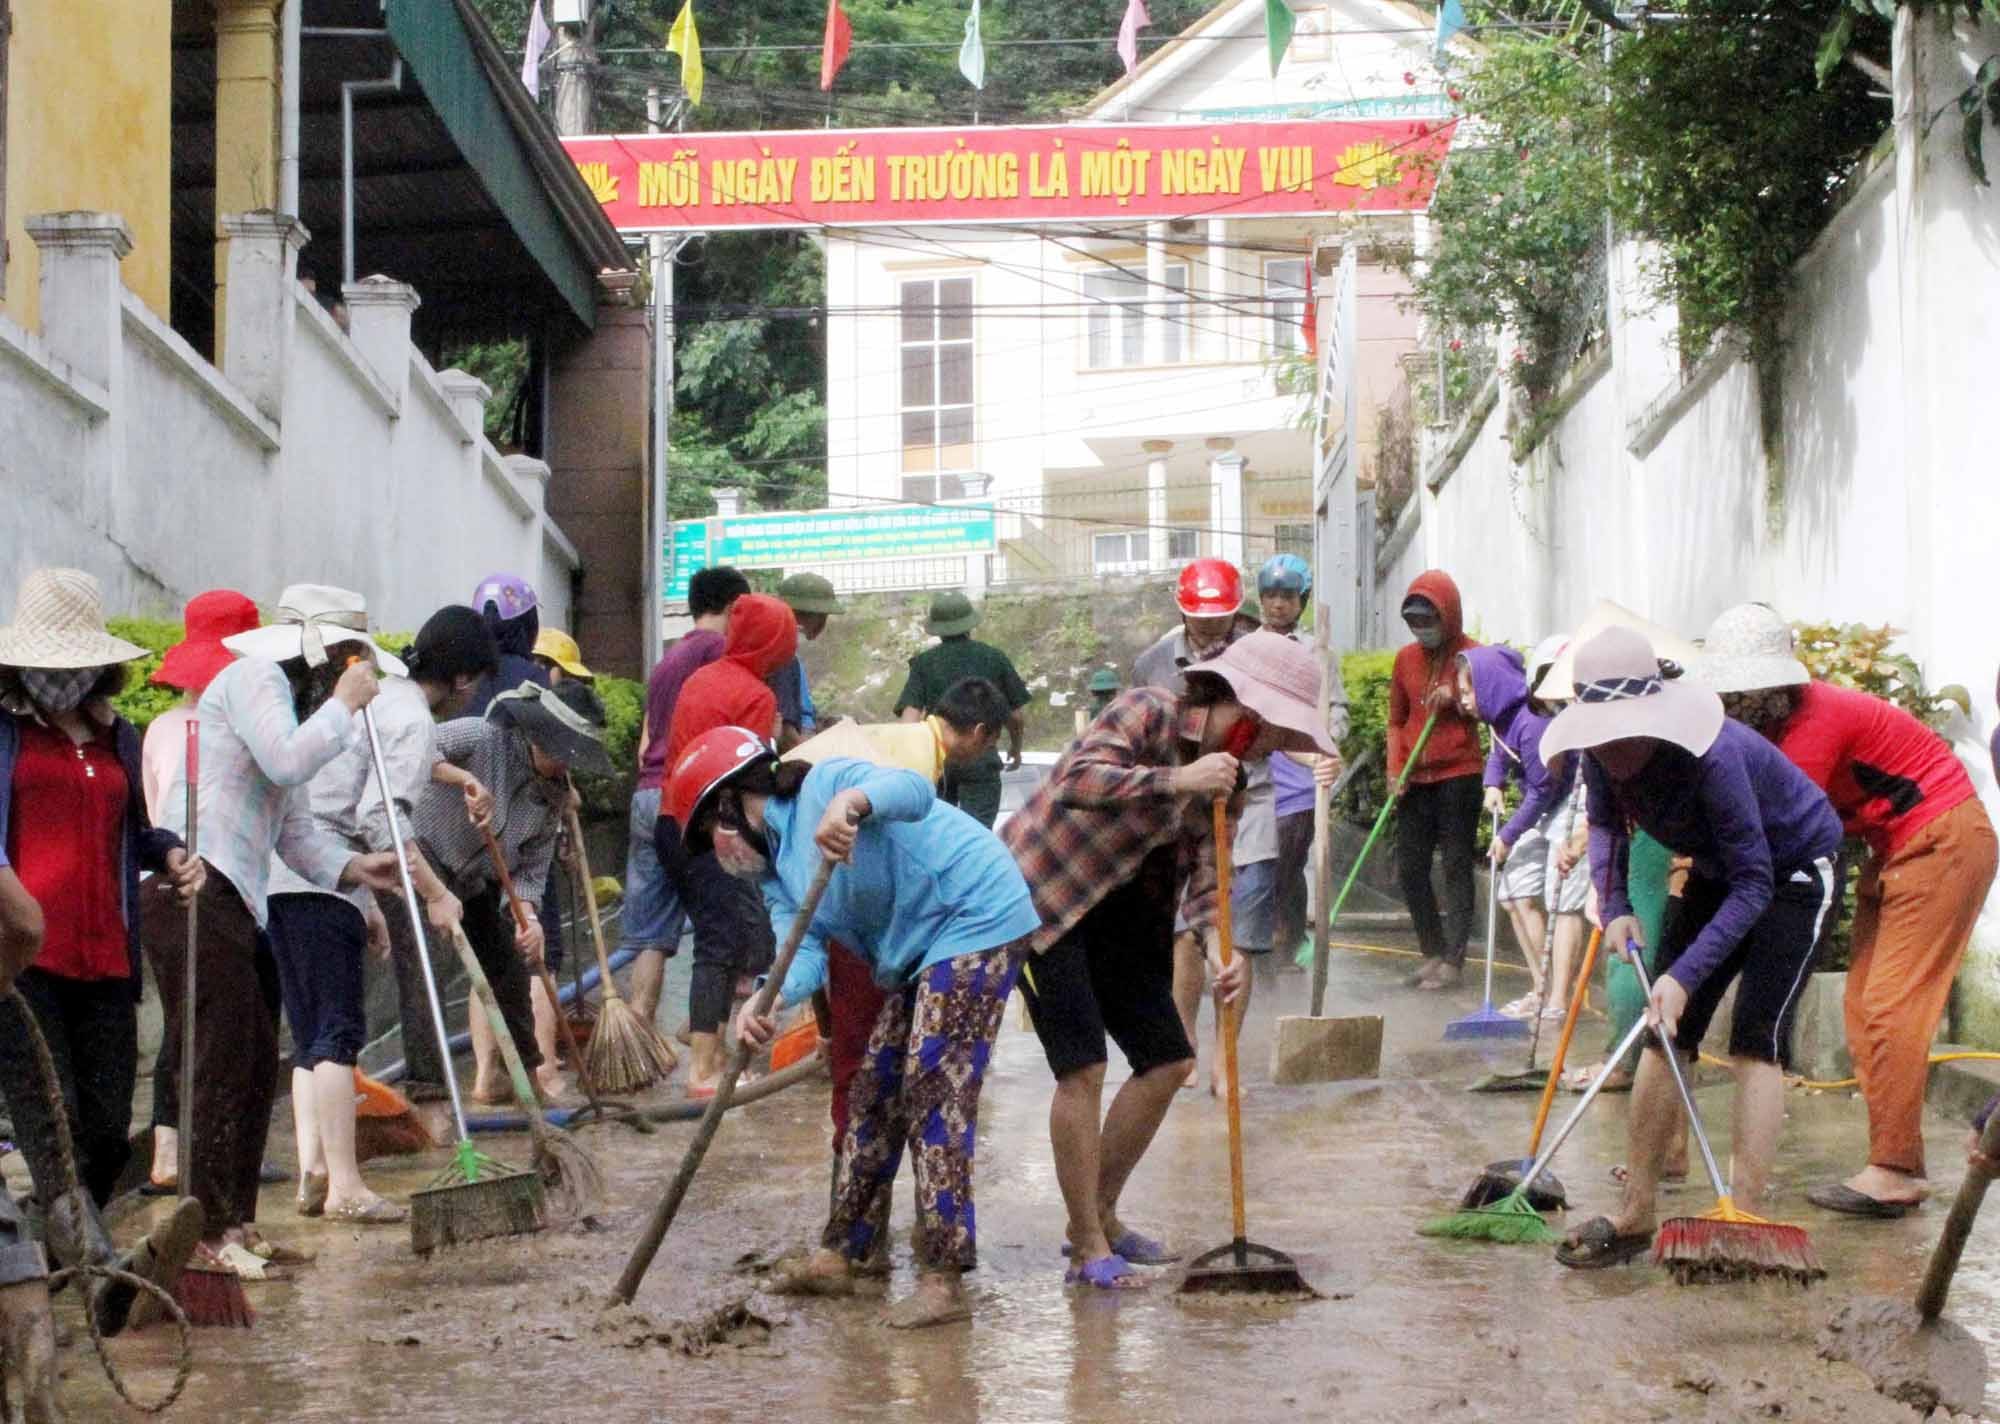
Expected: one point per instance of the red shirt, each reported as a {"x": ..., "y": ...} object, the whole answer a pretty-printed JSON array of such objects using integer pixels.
[
  {"x": 1887, "y": 774},
  {"x": 64, "y": 840}
]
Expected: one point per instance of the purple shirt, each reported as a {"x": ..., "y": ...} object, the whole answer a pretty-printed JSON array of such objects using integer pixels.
[
  {"x": 1741, "y": 810},
  {"x": 1294, "y": 785},
  {"x": 663, "y": 689}
]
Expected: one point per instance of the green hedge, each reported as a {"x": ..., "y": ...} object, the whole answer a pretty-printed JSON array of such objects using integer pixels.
[{"x": 141, "y": 702}]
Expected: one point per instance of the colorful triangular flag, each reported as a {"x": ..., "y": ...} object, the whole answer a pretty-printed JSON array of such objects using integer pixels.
[
  {"x": 1136, "y": 19},
  {"x": 1278, "y": 23},
  {"x": 839, "y": 40},
  {"x": 538, "y": 43},
  {"x": 684, "y": 40},
  {"x": 972, "y": 54},
  {"x": 1451, "y": 19}
]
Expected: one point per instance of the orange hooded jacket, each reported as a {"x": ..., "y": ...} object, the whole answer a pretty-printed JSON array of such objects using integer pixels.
[
  {"x": 1453, "y": 748},
  {"x": 730, "y": 692}
]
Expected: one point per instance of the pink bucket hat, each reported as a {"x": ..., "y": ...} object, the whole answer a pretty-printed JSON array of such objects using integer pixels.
[
  {"x": 1277, "y": 679},
  {"x": 1621, "y": 693}
]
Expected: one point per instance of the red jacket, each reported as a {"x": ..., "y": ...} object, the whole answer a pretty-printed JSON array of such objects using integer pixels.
[
  {"x": 1886, "y": 773},
  {"x": 1453, "y": 748},
  {"x": 730, "y": 692}
]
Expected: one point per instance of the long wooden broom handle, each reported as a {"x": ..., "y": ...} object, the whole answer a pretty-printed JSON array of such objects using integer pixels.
[
  {"x": 590, "y": 903},
  {"x": 1576, "y": 998},
  {"x": 499, "y": 859},
  {"x": 1958, "y": 1226},
  {"x": 1225, "y": 936},
  {"x": 669, "y": 1205}
]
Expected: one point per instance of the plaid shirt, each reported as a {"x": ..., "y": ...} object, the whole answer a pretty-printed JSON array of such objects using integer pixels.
[
  {"x": 1109, "y": 802},
  {"x": 527, "y": 811}
]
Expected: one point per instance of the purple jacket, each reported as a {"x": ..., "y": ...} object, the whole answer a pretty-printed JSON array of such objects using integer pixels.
[
  {"x": 1500, "y": 682},
  {"x": 1742, "y": 811}
]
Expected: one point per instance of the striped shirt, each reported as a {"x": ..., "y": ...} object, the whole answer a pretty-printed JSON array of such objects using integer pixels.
[
  {"x": 346, "y": 802},
  {"x": 1109, "y": 802},
  {"x": 527, "y": 811},
  {"x": 256, "y": 758}
]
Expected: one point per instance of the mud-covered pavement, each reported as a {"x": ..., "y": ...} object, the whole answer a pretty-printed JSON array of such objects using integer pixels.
[{"x": 1339, "y": 1175}]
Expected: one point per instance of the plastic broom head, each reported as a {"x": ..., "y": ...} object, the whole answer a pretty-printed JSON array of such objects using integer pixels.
[{"x": 1511, "y": 1221}]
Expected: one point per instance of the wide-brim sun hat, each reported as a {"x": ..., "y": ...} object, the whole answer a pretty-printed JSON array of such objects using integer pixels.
[
  {"x": 559, "y": 730},
  {"x": 1621, "y": 693},
  {"x": 1749, "y": 648},
  {"x": 1544, "y": 656},
  {"x": 309, "y": 621},
  {"x": 1277, "y": 679},
  {"x": 1557, "y": 684},
  {"x": 59, "y": 624},
  {"x": 192, "y": 663},
  {"x": 950, "y": 615}
]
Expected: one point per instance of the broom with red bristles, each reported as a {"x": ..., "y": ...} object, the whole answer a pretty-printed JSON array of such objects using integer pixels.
[{"x": 1725, "y": 1243}]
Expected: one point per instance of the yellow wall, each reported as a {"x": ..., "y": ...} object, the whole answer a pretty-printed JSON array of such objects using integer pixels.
[{"x": 89, "y": 125}]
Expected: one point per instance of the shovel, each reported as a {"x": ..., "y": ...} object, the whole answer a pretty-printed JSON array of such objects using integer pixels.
[
  {"x": 1912, "y": 1353},
  {"x": 1242, "y": 1267}
]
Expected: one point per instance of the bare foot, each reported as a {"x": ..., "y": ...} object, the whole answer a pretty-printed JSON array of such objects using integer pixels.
[
  {"x": 1194, "y": 1077},
  {"x": 822, "y": 1273},
  {"x": 489, "y": 1090},
  {"x": 937, "y": 1300},
  {"x": 551, "y": 1085},
  {"x": 28, "y": 1349}
]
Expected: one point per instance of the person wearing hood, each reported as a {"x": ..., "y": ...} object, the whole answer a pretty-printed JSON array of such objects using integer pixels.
[
  {"x": 1440, "y": 802},
  {"x": 732, "y": 936},
  {"x": 1896, "y": 784},
  {"x": 1662, "y": 756},
  {"x": 513, "y": 612}
]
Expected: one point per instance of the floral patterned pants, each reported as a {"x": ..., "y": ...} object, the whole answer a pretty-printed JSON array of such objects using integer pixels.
[{"x": 919, "y": 1083}]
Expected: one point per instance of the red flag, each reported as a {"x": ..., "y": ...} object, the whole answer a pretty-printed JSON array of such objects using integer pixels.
[
  {"x": 839, "y": 40},
  {"x": 1135, "y": 20},
  {"x": 1309, "y": 323}
]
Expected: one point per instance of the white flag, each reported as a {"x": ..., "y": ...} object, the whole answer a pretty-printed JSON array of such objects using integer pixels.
[
  {"x": 972, "y": 53},
  {"x": 538, "y": 41}
]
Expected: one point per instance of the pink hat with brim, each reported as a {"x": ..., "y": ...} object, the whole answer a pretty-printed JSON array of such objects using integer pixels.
[
  {"x": 1277, "y": 679},
  {"x": 192, "y": 663},
  {"x": 1620, "y": 693}
]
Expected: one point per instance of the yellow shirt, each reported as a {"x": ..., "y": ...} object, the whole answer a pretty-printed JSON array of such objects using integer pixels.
[{"x": 910, "y": 746}]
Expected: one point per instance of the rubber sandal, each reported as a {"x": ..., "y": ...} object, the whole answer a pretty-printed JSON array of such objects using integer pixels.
[
  {"x": 379, "y": 1212},
  {"x": 1838, "y": 1196},
  {"x": 1596, "y": 1245},
  {"x": 247, "y": 1264},
  {"x": 154, "y": 1187},
  {"x": 1111, "y": 1272},
  {"x": 272, "y": 1253},
  {"x": 1137, "y": 1250}
]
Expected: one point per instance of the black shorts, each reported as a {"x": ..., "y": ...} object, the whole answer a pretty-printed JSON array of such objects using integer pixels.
[
  {"x": 1769, "y": 966},
  {"x": 1113, "y": 974}
]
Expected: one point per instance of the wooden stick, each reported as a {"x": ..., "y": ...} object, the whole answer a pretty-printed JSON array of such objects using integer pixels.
[
  {"x": 642, "y": 1256},
  {"x": 1229, "y": 1015},
  {"x": 590, "y": 905},
  {"x": 1562, "y": 1044},
  {"x": 494, "y": 854},
  {"x": 1958, "y": 1226}
]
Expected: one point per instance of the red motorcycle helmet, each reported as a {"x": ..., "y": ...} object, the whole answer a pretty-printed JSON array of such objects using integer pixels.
[
  {"x": 1209, "y": 588},
  {"x": 711, "y": 759}
]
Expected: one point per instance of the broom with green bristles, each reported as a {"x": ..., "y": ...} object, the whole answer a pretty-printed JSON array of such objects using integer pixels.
[
  {"x": 1725, "y": 1243},
  {"x": 1513, "y": 1220}
]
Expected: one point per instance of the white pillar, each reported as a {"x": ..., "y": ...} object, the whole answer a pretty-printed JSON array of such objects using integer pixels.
[
  {"x": 1215, "y": 322},
  {"x": 1225, "y": 472},
  {"x": 728, "y": 502},
  {"x": 82, "y": 294},
  {"x": 1156, "y": 502},
  {"x": 378, "y": 322},
  {"x": 1158, "y": 300},
  {"x": 467, "y": 395},
  {"x": 259, "y": 316}
]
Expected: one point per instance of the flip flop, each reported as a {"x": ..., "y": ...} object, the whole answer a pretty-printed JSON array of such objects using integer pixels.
[
  {"x": 1138, "y": 1250},
  {"x": 1597, "y": 1244},
  {"x": 1112, "y": 1272},
  {"x": 1838, "y": 1196}
]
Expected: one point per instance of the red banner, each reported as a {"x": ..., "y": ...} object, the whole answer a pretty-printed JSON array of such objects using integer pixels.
[{"x": 893, "y": 177}]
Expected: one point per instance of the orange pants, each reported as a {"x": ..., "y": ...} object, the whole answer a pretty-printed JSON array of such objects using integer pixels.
[{"x": 1913, "y": 918}]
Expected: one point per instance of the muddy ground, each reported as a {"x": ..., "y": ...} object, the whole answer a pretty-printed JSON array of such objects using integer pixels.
[{"x": 1339, "y": 1175}]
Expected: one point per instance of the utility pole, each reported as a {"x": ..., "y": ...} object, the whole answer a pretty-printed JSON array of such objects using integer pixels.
[
  {"x": 659, "y": 536},
  {"x": 576, "y": 77}
]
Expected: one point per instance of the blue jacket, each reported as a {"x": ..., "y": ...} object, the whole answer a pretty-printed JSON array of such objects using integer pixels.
[
  {"x": 927, "y": 882},
  {"x": 143, "y": 846}
]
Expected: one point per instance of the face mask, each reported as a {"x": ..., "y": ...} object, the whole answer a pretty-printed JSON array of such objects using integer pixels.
[
  {"x": 1430, "y": 639},
  {"x": 1241, "y": 734},
  {"x": 737, "y": 856},
  {"x": 59, "y": 690}
]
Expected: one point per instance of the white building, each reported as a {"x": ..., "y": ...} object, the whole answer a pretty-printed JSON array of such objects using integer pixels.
[{"x": 1130, "y": 396}]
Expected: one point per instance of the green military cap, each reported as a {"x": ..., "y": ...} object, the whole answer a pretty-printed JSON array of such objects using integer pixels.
[
  {"x": 952, "y": 613},
  {"x": 809, "y": 593}
]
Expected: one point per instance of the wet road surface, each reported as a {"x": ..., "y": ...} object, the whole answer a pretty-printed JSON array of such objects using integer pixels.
[{"x": 1339, "y": 1176}]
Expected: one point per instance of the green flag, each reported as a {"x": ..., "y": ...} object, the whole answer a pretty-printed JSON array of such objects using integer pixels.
[{"x": 1278, "y": 22}]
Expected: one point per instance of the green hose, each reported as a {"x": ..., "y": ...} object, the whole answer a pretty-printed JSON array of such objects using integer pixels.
[{"x": 1304, "y": 957}]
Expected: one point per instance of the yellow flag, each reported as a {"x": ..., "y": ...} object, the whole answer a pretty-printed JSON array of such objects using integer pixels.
[{"x": 685, "y": 41}]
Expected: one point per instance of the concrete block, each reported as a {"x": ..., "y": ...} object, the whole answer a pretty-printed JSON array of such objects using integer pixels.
[
  {"x": 1819, "y": 1030},
  {"x": 1958, "y": 1090},
  {"x": 1326, "y": 1050}
]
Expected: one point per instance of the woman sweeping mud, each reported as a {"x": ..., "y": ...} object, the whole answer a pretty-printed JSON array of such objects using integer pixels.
[{"x": 937, "y": 908}]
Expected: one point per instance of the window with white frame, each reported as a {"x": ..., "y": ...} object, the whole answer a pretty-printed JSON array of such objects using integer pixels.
[
  {"x": 935, "y": 322},
  {"x": 1285, "y": 290},
  {"x": 1293, "y": 539},
  {"x": 1119, "y": 553},
  {"x": 1121, "y": 302},
  {"x": 1183, "y": 544}
]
